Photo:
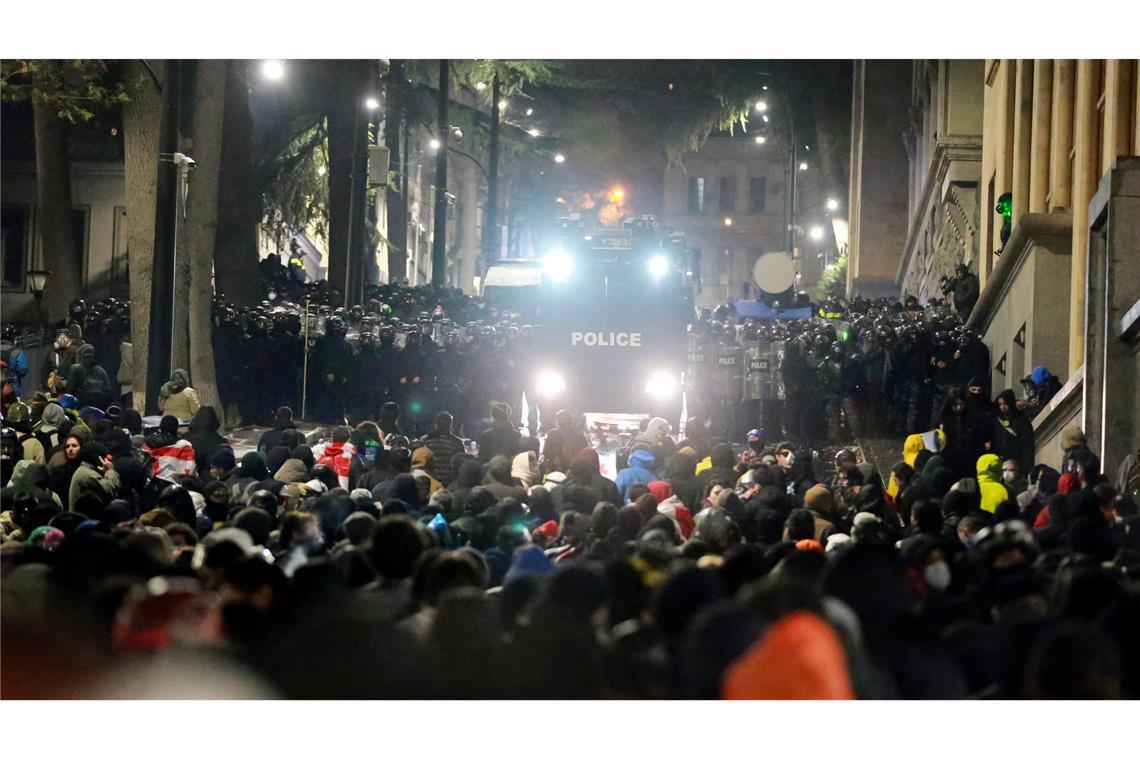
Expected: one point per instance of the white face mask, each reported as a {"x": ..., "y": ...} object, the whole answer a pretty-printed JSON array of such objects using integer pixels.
[
  {"x": 937, "y": 575},
  {"x": 790, "y": 459},
  {"x": 1009, "y": 477}
]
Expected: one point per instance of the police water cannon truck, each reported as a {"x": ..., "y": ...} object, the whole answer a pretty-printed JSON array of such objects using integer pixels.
[{"x": 611, "y": 307}]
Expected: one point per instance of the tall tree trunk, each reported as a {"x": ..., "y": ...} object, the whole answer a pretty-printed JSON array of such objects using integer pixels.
[
  {"x": 53, "y": 208},
  {"x": 397, "y": 203},
  {"x": 491, "y": 241},
  {"x": 201, "y": 222},
  {"x": 465, "y": 246},
  {"x": 142, "y": 117},
  {"x": 443, "y": 134},
  {"x": 343, "y": 130},
  {"x": 239, "y": 202}
]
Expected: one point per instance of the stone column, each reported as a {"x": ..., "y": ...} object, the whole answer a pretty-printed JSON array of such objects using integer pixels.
[
  {"x": 1039, "y": 157},
  {"x": 1022, "y": 131},
  {"x": 1086, "y": 170},
  {"x": 1061, "y": 128}
]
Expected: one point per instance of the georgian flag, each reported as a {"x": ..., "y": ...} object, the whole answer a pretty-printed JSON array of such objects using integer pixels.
[
  {"x": 173, "y": 461},
  {"x": 338, "y": 456}
]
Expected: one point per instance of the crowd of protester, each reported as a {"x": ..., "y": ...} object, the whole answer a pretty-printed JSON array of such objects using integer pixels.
[
  {"x": 369, "y": 564},
  {"x": 433, "y": 549}
]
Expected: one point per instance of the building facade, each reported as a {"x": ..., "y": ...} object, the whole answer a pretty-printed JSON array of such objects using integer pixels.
[
  {"x": 1059, "y": 264},
  {"x": 729, "y": 200},
  {"x": 944, "y": 151}
]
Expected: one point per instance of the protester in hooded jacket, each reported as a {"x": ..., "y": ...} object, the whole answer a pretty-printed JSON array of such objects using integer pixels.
[
  {"x": 33, "y": 478},
  {"x": 95, "y": 478},
  {"x": 501, "y": 439},
  {"x": 965, "y": 439},
  {"x": 62, "y": 467},
  {"x": 204, "y": 436},
  {"x": 679, "y": 473},
  {"x": 1012, "y": 435},
  {"x": 499, "y": 481},
  {"x": 177, "y": 398},
  {"x": 444, "y": 444},
  {"x": 524, "y": 469},
  {"x": 423, "y": 460},
  {"x": 723, "y": 467},
  {"x": 47, "y": 430},
  {"x": 990, "y": 484},
  {"x": 640, "y": 470},
  {"x": 87, "y": 381},
  {"x": 282, "y": 421}
]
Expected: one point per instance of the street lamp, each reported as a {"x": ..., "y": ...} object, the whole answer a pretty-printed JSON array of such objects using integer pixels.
[
  {"x": 274, "y": 71},
  {"x": 503, "y": 104},
  {"x": 816, "y": 233},
  {"x": 480, "y": 86},
  {"x": 371, "y": 104},
  {"x": 533, "y": 132},
  {"x": 434, "y": 144},
  {"x": 617, "y": 194},
  {"x": 760, "y": 139},
  {"x": 37, "y": 283},
  {"x": 832, "y": 204},
  {"x": 529, "y": 111},
  {"x": 728, "y": 221},
  {"x": 559, "y": 158},
  {"x": 761, "y": 106},
  {"x": 803, "y": 166}
]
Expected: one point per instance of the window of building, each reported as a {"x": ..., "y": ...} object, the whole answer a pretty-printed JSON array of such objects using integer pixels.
[
  {"x": 757, "y": 189},
  {"x": 727, "y": 194},
  {"x": 14, "y": 240},
  {"x": 696, "y": 195}
]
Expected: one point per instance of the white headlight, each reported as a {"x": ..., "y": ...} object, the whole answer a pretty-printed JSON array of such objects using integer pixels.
[
  {"x": 550, "y": 383},
  {"x": 658, "y": 266},
  {"x": 661, "y": 384},
  {"x": 557, "y": 265}
]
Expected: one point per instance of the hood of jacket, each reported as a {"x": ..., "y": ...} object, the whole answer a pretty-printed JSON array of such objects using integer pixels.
[
  {"x": 51, "y": 418},
  {"x": 911, "y": 446},
  {"x": 29, "y": 475},
  {"x": 423, "y": 459},
  {"x": 525, "y": 468},
  {"x": 661, "y": 490},
  {"x": 800, "y": 657},
  {"x": 722, "y": 457},
  {"x": 205, "y": 420},
  {"x": 470, "y": 474},
  {"x": 293, "y": 471},
  {"x": 1072, "y": 436},
  {"x": 989, "y": 468},
  {"x": 179, "y": 380},
  {"x": 643, "y": 459}
]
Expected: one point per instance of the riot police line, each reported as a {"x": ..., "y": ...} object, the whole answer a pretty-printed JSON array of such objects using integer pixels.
[{"x": 852, "y": 369}]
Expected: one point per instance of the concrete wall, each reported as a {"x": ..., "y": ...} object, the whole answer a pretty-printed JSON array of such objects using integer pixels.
[{"x": 1036, "y": 298}]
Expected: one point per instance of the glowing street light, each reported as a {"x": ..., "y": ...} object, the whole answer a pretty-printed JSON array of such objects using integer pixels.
[
  {"x": 761, "y": 106},
  {"x": 832, "y": 204},
  {"x": 559, "y": 158},
  {"x": 533, "y": 132},
  {"x": 372, "y": 104},
  {"x": 322, "y": 170},
  {"x": 503, "y": 104},
  {"x": 803, "y": 166},
  {"x": 728, "y": 221},
  {"x": 434, "y": 144},
  {"x": 761, "y": 139},
  {"x": 617, "y": 194},
  {"x": 274, "y": 71},
  {"x": 480, "y": 86},
  {"x": 816, "y": 233},
  {"x": 529, "y": 111}
]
